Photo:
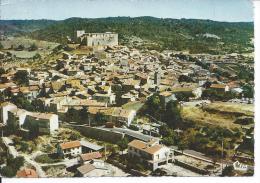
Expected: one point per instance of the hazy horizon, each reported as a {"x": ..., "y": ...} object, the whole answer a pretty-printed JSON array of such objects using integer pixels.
[
  {"x": 123, "y": 17},
  {"x": 216, "y": 10}
]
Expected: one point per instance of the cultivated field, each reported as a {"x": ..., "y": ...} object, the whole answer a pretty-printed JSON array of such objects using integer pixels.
[
  {"x": 222, "y": 114},
  {"x": 44, "y": 47}
]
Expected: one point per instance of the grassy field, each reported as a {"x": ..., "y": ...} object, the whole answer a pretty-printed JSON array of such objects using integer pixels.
[
  {"x": 27, "y": 42},
  {"x": 218, "y": 114},
  {"x": 44, "y": 47},
  {"x": 231, "y": 108}
]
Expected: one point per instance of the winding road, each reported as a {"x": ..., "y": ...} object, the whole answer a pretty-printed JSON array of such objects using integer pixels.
[{"x": 9, "y": 144}]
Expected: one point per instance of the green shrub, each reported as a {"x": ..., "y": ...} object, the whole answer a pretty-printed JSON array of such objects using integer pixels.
[
  {"x": 133, "y": 127},
  {"x": 45, "y": 158},
  {"x": 8, "y": 171}
]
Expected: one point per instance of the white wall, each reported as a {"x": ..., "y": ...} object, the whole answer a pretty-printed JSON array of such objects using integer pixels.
[
  {"x": 162, "y": 153},
  {"x": 22, "y": 118},
  {"x": 76, "y": 151},
  {"x": 131, "y": 117},
  {"x": 54, "y": 123},
  {"x": 4, "y": 112}
]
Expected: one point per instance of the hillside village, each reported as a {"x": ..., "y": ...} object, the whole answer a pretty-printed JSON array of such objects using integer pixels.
[{"x": 93, "y": 107}]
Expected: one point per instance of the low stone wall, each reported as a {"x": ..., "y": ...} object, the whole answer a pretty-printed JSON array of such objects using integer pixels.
[
  {"x": 192, "y": 168},
  {"x": 97, "y": 133}
]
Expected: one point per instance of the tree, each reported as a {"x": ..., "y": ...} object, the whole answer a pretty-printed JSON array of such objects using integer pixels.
[
  {"x": 183, "y": 145},
  {"x": 1, "y": 46},
  {"x": 22, "y": 77},
  {"x": 75, "y": 135},
  {"x": 248, "y": 91},
  {"x": 83, "y": 115},
  {"x": 2, "y": 98},
  {"x": 165, "y": 131},
  {"x": 2, "y": 71},
  {"x": 19, "y": 162},
  {"x": 24, "y": 146},
  {"x": 38, "y": 106},
  {"x": 100, "y": 118},
  {"x": 122, "y": 144},
  {"x": 184, "y": 78},
  {"x": 168, "y": 140},
  {"x": 43, "y": 92},
  {"x": 37, "y": 56},
  {"x": 173, "y": 114},
  {"x": 20, "y": 48},
  {"x": 184, "y": 96},
  {"x": 8, "y": 171},
  {"x": 228, "y": 171},
  {"x": 22, "y": 102},
  {"x": 7, "y": 93},
  {"x": 33, "y": 128},
  {"x": 154, "y": 106},
  {"x": 72, "y": 115},
  {"x": 33, "y": 47},
  {"x": 215, "y": 95}
]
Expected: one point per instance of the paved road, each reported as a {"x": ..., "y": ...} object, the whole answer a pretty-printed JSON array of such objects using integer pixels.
[
  {"x": 38, "y": 168},
  {"x": 11, "y": 149},
  {"x": 67, "y": 163}
]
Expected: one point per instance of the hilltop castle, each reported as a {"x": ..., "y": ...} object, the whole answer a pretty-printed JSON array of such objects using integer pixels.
[{"x": 97, "y": 39}]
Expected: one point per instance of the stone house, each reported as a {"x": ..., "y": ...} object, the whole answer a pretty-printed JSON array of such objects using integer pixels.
[
  {"x": 69, "y": 149},
  {"x": 150, "y": 154}
]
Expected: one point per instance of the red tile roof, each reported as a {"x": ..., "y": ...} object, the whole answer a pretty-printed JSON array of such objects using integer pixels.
[
  {"x": 146, "y": 147},
  {"x": 69, "y": 145},
  {"x": 218, "y": 86},
  {"x": 27, "y": 173},
  {"x": 90, "y": 156}
]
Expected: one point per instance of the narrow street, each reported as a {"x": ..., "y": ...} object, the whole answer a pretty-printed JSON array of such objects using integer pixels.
[
  {"x": 67, "y": 163},
  {"x": 11, "y": 149},
  {"x": 39, "y": 169}
]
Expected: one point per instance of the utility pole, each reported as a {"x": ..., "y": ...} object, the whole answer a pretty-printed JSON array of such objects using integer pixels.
[
  {"x": 2, "y": 131},
  {"x": 222, "y": 152},
  {"x": 105, "y": 152}
]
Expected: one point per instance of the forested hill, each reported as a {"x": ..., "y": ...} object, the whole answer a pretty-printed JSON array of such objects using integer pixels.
[
  {"x": 12, "y": 27},
  {"x": 197, "y": 36}
]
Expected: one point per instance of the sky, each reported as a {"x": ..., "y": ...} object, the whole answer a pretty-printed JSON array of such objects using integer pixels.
[{"x": 219, "y": 10}]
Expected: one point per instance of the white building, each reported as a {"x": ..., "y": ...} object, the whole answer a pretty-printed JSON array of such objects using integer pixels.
[
  {"x": 17, "y": 116},
  {"x": 5, "y": 107},
  {"x": 98, "y": 39},
  {"x": 69, "y": 149},
  {"x": 123, "y": 115},
  {"x": 96, "y": 168},
  {"x": 47, "y": 122},
  {"x": 11, "y": 115},
  {"x": 150, "y": 154}
]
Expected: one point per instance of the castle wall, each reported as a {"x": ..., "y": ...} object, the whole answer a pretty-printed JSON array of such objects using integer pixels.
[{"x": 100, "y": 39}]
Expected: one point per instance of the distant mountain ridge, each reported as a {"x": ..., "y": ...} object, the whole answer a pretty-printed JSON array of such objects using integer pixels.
[
  {"x": 177, "y": 34},
  {"x": 23, "y": 26}
]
